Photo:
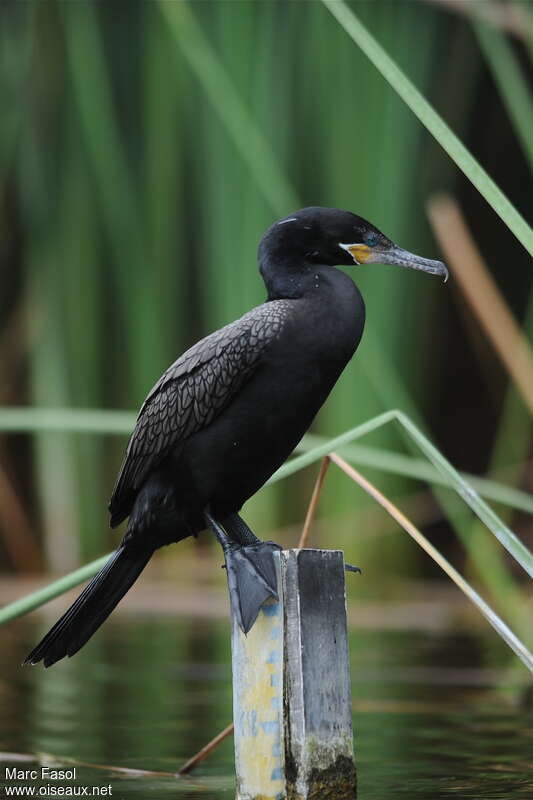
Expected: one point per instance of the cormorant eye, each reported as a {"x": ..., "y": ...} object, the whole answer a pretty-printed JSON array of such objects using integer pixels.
[{"x": 371, "y": 239}]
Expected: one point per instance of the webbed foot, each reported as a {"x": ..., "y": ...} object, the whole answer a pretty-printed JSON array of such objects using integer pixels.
[{"x": 251, "y": 574}]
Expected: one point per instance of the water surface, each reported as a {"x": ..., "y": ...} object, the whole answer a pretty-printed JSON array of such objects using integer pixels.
[{"x": 430, "y": 720}]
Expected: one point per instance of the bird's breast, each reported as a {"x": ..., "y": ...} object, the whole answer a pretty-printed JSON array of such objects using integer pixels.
[
  {"x": 326, "y": 325},
  {"x": 232, "y": 458}
]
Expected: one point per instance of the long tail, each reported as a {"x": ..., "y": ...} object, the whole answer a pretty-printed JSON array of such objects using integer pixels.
[{"x": 92, "y": 607}]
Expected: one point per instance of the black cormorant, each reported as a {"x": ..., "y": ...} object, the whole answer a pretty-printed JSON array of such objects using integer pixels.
[{"x": 230, "y": 410}]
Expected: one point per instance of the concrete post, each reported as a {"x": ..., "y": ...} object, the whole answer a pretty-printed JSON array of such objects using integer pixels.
[{"x": 291, "y": 687}]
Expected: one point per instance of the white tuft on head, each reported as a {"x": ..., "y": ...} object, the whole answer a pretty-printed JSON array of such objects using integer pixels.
[{"x": 291, "y": 219}]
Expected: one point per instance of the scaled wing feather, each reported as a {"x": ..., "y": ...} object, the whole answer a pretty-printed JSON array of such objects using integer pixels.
[{"x": 191, "y": 393}]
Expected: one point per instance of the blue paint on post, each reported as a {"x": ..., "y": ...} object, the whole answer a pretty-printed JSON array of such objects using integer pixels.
[{"x": 271, "y": 727}]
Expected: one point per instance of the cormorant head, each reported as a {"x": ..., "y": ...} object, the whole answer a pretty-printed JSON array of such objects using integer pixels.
[{"x": 317, "y": 235}]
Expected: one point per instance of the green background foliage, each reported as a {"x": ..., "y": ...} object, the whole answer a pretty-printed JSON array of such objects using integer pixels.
[{"x": 145, "y": 147}]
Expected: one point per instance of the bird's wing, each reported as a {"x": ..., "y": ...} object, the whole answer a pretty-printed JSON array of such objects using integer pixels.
[{"x": 191, "y": 393}]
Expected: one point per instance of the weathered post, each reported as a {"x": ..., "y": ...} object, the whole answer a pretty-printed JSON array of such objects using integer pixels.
[{"x": 291, "y": 687}]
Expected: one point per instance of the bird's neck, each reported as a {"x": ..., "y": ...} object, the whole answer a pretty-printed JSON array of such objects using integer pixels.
[
  {"x": 285, "y": 279},
  {"x": 282, "y": 279},
  {"x": 329, "y": 307}
]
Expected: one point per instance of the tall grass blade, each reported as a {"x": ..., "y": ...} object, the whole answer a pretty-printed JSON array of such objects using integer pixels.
[
  {"x": 42, "y": 596},
  {"x": 418, "y": 469},
  {"x": 432, "y": 121},
  {"x": 120, "y": 423},
  {"x": 73, "y": 420},
  {"x": 497, "y": 623},
  {"x": 505, "y": 536}
]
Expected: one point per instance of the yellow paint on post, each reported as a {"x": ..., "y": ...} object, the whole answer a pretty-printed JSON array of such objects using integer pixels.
[{"x": 258, "y": 706}]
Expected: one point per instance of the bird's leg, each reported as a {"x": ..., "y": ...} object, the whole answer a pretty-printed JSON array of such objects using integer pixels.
[
  {"x": 249, "y": 565},
  {"x": 259, "y": 552},
  {"x": 238, "y": 530}
]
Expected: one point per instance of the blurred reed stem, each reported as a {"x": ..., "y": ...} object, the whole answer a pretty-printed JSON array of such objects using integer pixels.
[{"x": 511, "y": 83}]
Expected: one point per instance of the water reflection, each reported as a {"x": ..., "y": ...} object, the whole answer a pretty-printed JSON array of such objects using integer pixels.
[{"x": 148, "y": 693}]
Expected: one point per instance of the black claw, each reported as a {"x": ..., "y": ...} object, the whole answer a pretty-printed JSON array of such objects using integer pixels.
[{"x": 351, "y": 568}]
